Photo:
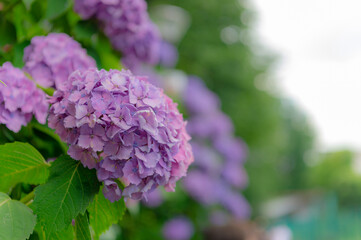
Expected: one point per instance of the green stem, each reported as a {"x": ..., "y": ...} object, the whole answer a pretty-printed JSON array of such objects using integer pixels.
[
  {"x": 28, "y": 197},
  {"x": 3, "y": 83}
]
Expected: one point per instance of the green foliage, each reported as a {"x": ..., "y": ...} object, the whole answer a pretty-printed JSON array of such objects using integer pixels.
[
  {"x": 39, "y": 234},
  {"x": 108, "y": 59},
  {"x": 332, "y": 169},
  {"x": 334, "y": 172},
  {"x": 81, "y": 228},
  {"x": 64, "y": 234},
  {"x": 28, "y": 3},
  {"x": 103, "y": 213},
  {"x": 17, "y": 220},
  {"x": 68, "y": 192},
  {"x": 50, "y": 132},
  {"x": 21, "y": 162},
  {"x": 7, "y": 32},
  {"x": 55, "y": 8}
]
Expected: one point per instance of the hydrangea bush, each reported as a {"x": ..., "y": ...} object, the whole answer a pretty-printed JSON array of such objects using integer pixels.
[
  {"x": 81, "y": 135},
  {"x": 121, "y": 136}
]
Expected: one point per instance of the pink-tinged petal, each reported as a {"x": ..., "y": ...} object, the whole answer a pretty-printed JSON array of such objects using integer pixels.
[
  {"x": 69, "y": 122},
  {"x": 111, "y": 148},
  {"x": 103, "y": 174},
  {"x": 74, "y": 97},
  {"x": 96, "y": 144},
  {"x": 14, "y": 121},
  {"x": 112, "y": 131},
  {"x": 111, "y": 191},
  {"x": 128, "y": 139},
  {"x": 150, "y": 160},
  {"x": 84, "y": 141},
  {"x": 80, "y": 111},
  {"x": 123, "y": 153},
  {"x": 107, "y": 84},
  {"x": 131, "y": 173}
]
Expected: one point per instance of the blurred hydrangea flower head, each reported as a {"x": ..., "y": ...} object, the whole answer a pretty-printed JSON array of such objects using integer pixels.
[
  {"x": 168, "y": 55},
  {"x": 124, "y": 127},
  {"x": 179, "y": 228},
  {"x": 51, "y": 59},
  {"x": 218, "y": 174},
  {"x": 19, "y": 99},
  {"x": 153, "y": 199},
  {"x": 127, "y": 25}
]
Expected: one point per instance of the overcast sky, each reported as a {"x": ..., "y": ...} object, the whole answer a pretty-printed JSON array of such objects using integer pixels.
[{"x": 319, "y": 42}]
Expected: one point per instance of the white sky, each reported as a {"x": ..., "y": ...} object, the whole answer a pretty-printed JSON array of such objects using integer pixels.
[{"x": 319, "y": 42}]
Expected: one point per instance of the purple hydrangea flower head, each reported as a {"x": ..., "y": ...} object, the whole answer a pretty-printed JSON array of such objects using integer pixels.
[
  {"x": 235, "y": 203},
  {"x": 218, "y": 175},
  {"x": 124, "y": 127},
  {"x": 179, "y": 228},
  {"x": 20, "y": 99},
  {"x": 88, "y": 8},
  {"x": 198, "y": 99},
  {"x": 122, "y": 16},
  {"x": 127, "y": 25},
  {"x": 234, "y": 174},
  {"x": 202, "y": 187},
  {"x": 210, "y": 126},
  {"x": 233, "y": 149},
  {"x": 142, "y": 46},
  {"x": 206, "y": 158},
  {"x": 51, "y": 59},
  {"x": 168, "y": 55}
]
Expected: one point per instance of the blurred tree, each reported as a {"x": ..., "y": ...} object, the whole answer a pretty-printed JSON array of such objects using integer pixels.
[{"x": 335, "y": 172}]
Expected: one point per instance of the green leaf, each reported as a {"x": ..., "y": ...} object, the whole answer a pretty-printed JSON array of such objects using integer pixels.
[
  {"x": 103, "y": 213},
  {"x": 39, "y": 234},
  {"x": 19, "y": 13},
  {"x": 7, "y": 32},
  {"x": 81, "y": 228},
  {"x": 19, "y": 53},
  {"x": 51, "y": 133},
  {"x": 85, "y": 30},
  {"x": 109, "y": 59},
  {"x": 55, "y": 8},
  {"x": 17, "y": 220},
  {"x": 21, "y": 162},
  {"x": 63, "y": 235},
  {"x": 68, "y": 192}
]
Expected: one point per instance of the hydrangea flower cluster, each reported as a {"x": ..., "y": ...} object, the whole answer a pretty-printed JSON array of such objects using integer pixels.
[
  {"x": 218, "y": 174},
  {"x": 168, "y": 56},
  {"x": 178, "y": 228},
  {"x": 19, "y": 99},
  {"x": 126, "y": 128},
  {"x": 127, "y": 25},
  {"x": 153, "y": 199},
  {"x": 51, "y": 59}
]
